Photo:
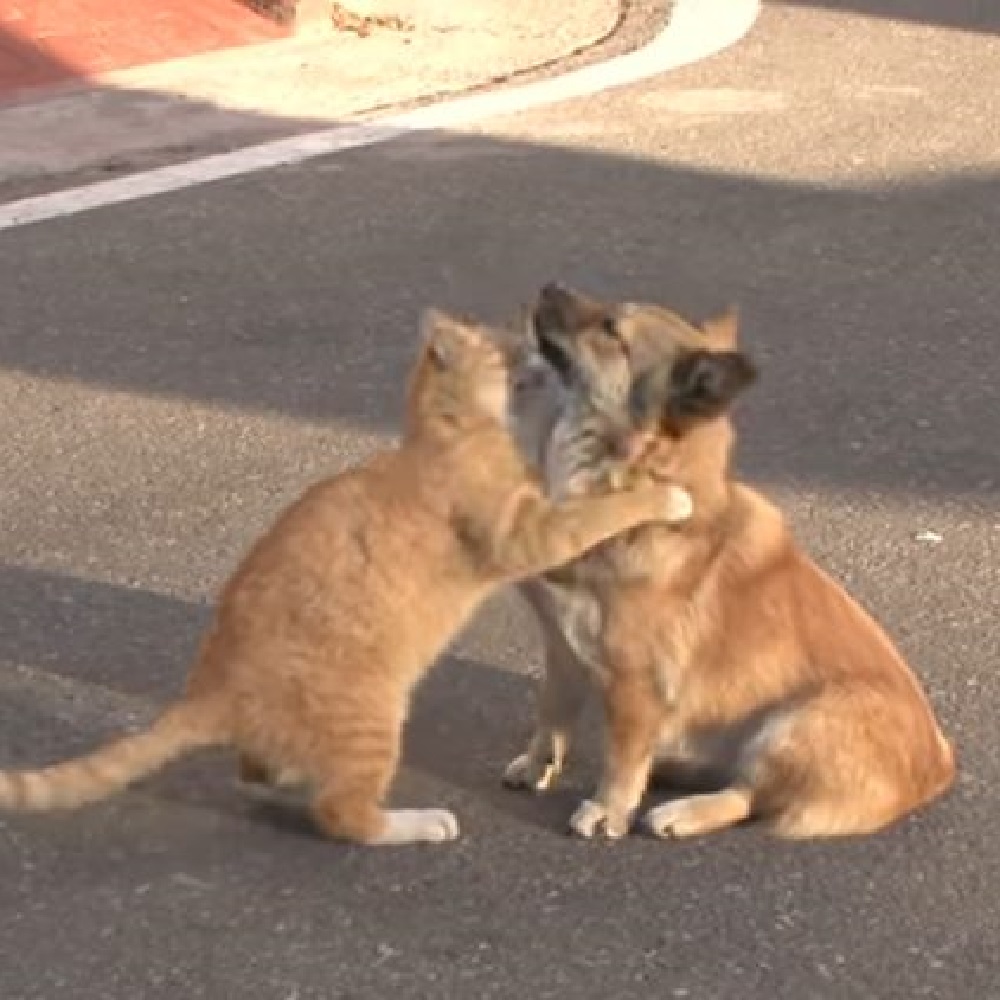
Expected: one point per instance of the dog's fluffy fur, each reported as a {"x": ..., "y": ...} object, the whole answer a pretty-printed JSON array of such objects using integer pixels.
[{"x": 728, "y": 661}]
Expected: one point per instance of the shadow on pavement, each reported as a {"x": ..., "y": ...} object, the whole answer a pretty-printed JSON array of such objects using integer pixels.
[
  {"x": 25, "y": 65},
  {"x": 100, "y": 657},
  {"x": 964, "y": 15},
  {"x": 871, "y": 310}
]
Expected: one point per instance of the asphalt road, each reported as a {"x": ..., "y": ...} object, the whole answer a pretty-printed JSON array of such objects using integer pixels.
[{"x": 174, "y": 370}]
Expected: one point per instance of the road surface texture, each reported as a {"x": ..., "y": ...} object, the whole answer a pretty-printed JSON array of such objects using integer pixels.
[{"x": 174, "y": 370}]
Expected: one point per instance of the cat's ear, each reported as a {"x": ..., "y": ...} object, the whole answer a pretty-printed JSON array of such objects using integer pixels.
[
  {"x": 445, "y": 337},
  {"x": 722, "y": 332},
  {"x": 696, "y": 386},
  {"x": 559, "y": 309}
]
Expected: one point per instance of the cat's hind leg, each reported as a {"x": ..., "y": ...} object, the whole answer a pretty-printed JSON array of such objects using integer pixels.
[
  {"x": 256, "y": 778},
  {"x": 348, "y": 800}
]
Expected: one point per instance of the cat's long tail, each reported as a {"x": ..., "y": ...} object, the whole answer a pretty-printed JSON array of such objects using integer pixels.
[{"x": 188, "y": 725}]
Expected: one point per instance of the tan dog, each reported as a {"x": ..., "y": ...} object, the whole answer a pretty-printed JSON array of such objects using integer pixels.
[
  {"x": 339, "y": 610},
  {"x": 724, "y": 654}
]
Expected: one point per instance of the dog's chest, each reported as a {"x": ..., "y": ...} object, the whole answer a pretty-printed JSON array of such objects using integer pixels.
[
  {"x": 579, "y": 615},
  {"x": 603, "y": 630}
]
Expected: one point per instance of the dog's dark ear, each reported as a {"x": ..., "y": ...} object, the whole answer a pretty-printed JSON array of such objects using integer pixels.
[
  {"x": 696, "y": 386},
  {"x": 704, "y": 383},
  {"x": 561, "y": 310}
]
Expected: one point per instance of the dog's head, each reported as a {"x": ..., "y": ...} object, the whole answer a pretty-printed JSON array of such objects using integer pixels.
[{"x": 648, "y": 392}]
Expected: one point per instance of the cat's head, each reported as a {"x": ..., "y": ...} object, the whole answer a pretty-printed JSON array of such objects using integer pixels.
[
  {"x": 467, "y": 372},
  {"x": 648, "y": 393}
]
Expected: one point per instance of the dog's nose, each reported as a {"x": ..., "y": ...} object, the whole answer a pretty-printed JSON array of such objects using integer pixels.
[{"x": 628, "y": 445}]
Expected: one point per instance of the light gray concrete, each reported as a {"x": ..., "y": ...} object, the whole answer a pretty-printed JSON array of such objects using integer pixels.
[{"x": 139, "y": 116}]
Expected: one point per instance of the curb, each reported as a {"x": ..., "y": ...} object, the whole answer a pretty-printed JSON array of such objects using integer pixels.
[
  {"x": 297, "y": 14},
  {"x": 696, "y": 30}
]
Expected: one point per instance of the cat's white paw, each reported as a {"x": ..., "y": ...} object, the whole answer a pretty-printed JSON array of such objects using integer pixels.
[
  {"x": 679, "y": 506},
  {"x": 528, "y": 772},
  {"x": 418, "y": 826}
]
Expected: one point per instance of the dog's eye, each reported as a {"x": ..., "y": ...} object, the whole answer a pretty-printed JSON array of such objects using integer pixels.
[{"x": 609, "y": 326}]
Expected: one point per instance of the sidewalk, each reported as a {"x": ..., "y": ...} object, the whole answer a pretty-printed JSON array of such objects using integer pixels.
[{"x": 160, "y": 101}]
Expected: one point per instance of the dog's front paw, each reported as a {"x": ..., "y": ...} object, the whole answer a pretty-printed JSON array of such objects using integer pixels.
[
  {"x": 528, "y": 772},
  {"x": 592, "y": 819}
]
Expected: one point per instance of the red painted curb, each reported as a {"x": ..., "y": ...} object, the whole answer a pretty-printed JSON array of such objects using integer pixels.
[{"x": 51, "y": 41}]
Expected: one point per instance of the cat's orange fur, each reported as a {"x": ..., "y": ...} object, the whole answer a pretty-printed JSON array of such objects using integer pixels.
[{"x": 338, "y": 610}]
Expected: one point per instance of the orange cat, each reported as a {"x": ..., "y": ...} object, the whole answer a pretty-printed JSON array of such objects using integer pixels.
[{"x": 343, "y": 605}]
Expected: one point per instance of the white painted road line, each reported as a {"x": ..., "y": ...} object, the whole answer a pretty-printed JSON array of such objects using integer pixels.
[{"x": 697, "y": 29}]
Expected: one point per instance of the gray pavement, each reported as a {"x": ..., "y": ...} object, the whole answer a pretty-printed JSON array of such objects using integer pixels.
[{"x": 174, "y": 370}]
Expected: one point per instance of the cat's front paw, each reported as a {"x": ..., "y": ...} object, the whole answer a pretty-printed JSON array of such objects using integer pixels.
[
  {"x": 592, "y": 819},
  {"x": 678, "y": 505},
  {"x": 528, "y": 772}
]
